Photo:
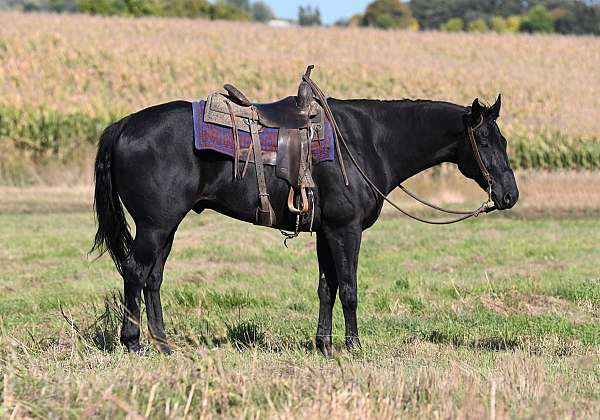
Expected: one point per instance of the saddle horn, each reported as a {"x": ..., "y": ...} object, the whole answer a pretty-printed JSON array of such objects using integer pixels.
[{"x": 305, "y": 92}]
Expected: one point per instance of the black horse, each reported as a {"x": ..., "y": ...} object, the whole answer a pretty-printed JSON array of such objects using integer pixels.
[{"x": 147, "y": 160}]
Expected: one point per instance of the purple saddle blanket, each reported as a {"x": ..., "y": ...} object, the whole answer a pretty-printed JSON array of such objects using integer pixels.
[{"x": 218, "y": 138}]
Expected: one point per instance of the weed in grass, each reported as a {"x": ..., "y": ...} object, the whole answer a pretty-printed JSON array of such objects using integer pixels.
[{"x": 245, "y": 334}]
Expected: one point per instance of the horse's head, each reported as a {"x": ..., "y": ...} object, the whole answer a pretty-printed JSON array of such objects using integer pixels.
[{"x": 483, "y": 158}]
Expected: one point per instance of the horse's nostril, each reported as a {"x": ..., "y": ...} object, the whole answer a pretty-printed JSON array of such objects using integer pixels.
[{"x": 507, "y": 198}]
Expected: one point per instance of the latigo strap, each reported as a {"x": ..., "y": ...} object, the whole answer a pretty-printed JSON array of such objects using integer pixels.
[{"x": 265, "y": 215}]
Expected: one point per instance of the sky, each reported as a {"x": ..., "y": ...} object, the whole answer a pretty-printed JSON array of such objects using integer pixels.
[{"x": 331, "y": 10}]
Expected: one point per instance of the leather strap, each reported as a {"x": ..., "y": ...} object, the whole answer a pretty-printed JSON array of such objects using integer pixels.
[
  {"x": 339, "y": 138},
  {"x": 265, "y": 215},
  {"x": 305, "y": 180},
  {"x": 236, "y": 141},
  {"x": 249, "y": 156},
  {"x": 471, "y": 135}
]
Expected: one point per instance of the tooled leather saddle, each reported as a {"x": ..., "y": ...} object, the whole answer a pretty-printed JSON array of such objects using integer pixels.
[{"x": 300, "y": 120}]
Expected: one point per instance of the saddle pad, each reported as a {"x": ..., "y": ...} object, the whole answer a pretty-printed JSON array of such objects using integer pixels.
[{"x": 218, "y": 138}]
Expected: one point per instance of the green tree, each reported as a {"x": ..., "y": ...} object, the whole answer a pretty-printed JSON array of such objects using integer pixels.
[
  {"x": 63, "y": 6},
  {"x": 581, "y": 18},
  {"x": 453, "y": 25},
  {"x": 144, "y": 7},
  {"x": 188, "y": 8},
  {"x": 513, "y": 23},
  {"x": 240, "y": 4},
  {"x": 262, "y": 12},
  {"x": 309, "y": 16},
  {"x": 388, "y": 14},
  {"x": 478, "y": 25},
  {"x": 102, "y": 7},
  {"x": 539, "y": 19},
  {"x": 223, "y": 11},
  {"x": 499, "y": 24}
]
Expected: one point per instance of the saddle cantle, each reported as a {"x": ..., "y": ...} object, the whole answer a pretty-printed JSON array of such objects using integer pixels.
[{"x": 299, "y": 120}]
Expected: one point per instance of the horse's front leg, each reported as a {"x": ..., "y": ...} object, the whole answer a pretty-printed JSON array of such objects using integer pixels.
[
  {"x": 344, "y": 245},
  {"x": 327, "y": 291}
]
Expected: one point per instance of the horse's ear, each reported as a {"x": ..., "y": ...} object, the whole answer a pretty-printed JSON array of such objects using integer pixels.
[
  {"x": 476, "y": 112},
  {"x": 495, "y": 109}
]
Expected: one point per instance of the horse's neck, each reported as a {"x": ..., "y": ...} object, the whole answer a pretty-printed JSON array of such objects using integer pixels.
[{"x": 412, "y": 136}]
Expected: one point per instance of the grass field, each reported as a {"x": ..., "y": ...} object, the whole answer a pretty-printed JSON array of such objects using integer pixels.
[
  {"x": 495, "y": 318},
  {"x": 60, "y": 85}
]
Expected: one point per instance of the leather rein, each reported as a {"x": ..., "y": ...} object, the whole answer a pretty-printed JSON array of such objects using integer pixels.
[{"x": 486, "y": 207}]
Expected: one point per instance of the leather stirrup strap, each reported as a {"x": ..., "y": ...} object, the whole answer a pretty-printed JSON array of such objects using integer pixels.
[
  {"x": 248, "y": 156},
  {"x": 236, "y": 141},
  {"x": 265, "y": 215}
]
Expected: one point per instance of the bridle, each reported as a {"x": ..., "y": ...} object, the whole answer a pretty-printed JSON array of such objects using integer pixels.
[
  {"x": 486, "y": 207},
  {"x": 477, "y": 154}
]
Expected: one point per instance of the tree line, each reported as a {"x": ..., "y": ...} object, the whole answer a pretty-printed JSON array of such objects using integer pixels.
[
  {"x": 222, "y": 9},
  {"x": 561, "y": 16}
]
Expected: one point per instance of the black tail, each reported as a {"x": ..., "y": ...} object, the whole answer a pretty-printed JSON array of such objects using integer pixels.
[{"x": 113, "y": 231}]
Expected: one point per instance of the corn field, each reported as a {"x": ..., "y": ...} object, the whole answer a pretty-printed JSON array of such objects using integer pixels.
[{"x": 64, "y": 78}]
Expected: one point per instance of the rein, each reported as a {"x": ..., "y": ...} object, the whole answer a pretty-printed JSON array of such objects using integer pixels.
[{"x": 486, "y": 207}]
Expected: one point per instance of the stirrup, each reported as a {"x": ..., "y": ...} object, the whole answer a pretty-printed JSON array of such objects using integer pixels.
[{"x": 305, "y": 203}]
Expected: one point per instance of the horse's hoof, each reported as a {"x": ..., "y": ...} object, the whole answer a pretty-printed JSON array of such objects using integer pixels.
[
  {"x": 163, "y": 348},
  {"x": 134, "y": 348},
  {"x": 324, "y": 346},
  {"x": 353, "y": 343}
]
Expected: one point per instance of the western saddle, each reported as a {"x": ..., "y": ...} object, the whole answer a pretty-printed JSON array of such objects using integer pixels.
[{"x": 300, "y": 120}]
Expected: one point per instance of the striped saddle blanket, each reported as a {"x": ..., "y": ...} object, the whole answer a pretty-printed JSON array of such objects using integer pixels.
[{"x": 208, "y": 136}]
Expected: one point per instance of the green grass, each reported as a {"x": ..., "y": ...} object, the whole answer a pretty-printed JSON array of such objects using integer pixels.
[{"x": 448, "y": 317}]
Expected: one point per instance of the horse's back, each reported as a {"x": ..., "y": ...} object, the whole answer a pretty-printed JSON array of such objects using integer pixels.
[{"x": 157, "y": 118}]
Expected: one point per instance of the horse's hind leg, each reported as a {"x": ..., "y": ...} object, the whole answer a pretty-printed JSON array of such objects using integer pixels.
[
  {"x": 149, "y": 245},
  {"x": 156, "y": 325}
]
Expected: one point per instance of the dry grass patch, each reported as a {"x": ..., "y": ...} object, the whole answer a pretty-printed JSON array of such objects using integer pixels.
[
  {"x": 46, "y": 199},
  {"x": 425, "y": 381},
  {"x": 537, "y": 305}
]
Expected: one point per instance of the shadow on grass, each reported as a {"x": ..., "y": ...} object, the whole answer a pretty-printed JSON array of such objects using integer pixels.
[
  {"x": 487, "y": 343},
  {"x": 245, "y": 335}
]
